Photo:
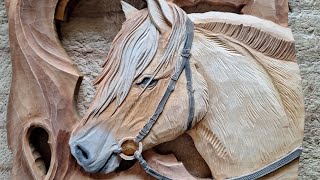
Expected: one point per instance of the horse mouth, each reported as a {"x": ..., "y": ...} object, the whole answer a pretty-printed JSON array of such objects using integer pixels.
[{"x": 110, "y": 165}]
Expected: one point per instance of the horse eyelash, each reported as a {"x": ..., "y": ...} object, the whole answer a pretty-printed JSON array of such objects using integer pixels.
[{"x": 147, "y": 81}]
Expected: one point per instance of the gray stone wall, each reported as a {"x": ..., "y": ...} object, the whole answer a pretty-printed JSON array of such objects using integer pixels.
[
  {"x": 304, "y": 20},
  {"x": 87, "y": 37},
  {"x": 5, "y": 79}
]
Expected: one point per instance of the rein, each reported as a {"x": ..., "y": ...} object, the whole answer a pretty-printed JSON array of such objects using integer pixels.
[{"x": 134, "y": 149}]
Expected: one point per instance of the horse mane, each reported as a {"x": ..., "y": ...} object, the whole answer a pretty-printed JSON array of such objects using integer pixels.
[
  {"x": 132, "y": 50},
  {"x": 255, "y": 38},
  {"x": 275, "y": 44}
]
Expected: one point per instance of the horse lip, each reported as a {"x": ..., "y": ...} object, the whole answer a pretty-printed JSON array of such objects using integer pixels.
[
  {"x": 105, "y": 165},
  {"x": 95, "y": 167}
]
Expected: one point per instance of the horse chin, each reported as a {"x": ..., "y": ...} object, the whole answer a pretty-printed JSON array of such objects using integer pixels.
[
  {"x": 111, "y": 164},
  {"x": 105, "y": 166}
]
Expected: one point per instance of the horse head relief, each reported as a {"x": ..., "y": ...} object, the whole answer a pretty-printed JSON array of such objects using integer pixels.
[{"x": 186, "y": 96}]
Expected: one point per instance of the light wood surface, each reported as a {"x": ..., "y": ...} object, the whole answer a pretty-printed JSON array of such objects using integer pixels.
[{"x": 249, "y": 108}]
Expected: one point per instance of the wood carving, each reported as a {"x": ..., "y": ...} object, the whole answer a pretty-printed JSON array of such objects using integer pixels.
[{"x": 248, "y": 112}]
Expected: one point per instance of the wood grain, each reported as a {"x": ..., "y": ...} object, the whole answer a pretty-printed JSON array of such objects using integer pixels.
[{"x": 42, "y": 93}]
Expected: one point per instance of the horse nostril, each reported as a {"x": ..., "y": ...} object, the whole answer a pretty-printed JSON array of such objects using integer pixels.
[{"x": 82, "y": 154}]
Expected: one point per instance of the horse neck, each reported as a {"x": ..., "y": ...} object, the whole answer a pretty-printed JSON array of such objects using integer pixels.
[{"x": 246, "y": 112}]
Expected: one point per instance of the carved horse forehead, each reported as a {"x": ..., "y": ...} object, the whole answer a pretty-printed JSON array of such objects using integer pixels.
[{"x": 158, "y": 20}]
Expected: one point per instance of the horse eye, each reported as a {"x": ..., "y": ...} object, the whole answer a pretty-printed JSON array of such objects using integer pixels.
[{"x": 145, "y": 82}]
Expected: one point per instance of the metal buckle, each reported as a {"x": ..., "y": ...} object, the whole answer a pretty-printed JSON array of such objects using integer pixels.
[
  {"x": 129, "y": 147},
  {"x": 185, "y": 53}
]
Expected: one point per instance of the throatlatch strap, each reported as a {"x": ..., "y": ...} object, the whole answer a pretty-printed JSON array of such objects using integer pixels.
[
  {"x": 185, "y": 64},
  {"x": 148, "y": 169},
  {"x": 273, "y": 166}
]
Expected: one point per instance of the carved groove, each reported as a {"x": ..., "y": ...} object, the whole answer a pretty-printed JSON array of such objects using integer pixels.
[
  {"x": 211, "y": 138},
  {"x": 255, "y": 38}
]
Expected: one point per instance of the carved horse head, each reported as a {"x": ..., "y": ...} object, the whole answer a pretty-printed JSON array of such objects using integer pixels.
[
  {"x": 247, "y": 92},
  {"x": 137, "y": 71}
]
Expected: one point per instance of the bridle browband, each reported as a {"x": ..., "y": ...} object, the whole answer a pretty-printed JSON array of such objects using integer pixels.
[{"x": 185, "y": 65}]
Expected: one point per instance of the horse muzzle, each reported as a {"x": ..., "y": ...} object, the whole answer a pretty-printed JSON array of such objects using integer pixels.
[{"x": 95, "y": 154}]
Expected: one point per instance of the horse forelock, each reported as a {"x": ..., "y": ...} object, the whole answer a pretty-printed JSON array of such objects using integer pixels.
[{"x": 132, "y": 50}]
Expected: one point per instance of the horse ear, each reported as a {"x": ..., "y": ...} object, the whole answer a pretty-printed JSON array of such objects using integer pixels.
[
  {"x": 128, "y": 9},
  {"x": 161, "y": 14}
]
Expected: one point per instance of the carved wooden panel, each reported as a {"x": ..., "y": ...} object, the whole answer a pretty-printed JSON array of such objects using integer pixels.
[{"x": 248, "y": 103}]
